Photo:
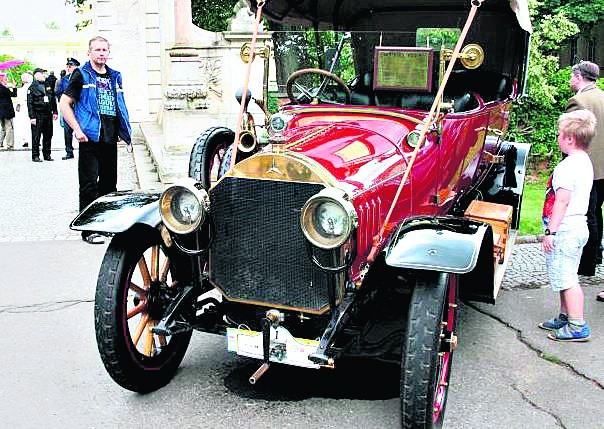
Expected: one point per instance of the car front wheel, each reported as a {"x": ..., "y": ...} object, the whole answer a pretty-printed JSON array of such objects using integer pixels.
[
  {"x": 135, "y": 286},
  {"x": 427, "y": 352}
]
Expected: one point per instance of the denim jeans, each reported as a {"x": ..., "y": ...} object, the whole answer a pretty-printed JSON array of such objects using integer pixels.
[{"x": 563, "y": 261}]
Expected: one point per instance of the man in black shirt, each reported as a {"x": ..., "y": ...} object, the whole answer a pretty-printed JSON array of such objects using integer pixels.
[
  {"x": 51, "y": 82},
  {"x": 93, "y": 106},
  {"x": 42, "y": 109},
  {"x": 72, "y": 64}
]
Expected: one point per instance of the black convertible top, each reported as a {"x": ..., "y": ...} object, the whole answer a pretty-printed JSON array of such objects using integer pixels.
[{"x": 344, "y": 14}]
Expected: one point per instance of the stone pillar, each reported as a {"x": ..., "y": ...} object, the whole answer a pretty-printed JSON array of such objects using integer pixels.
[
  {"x": 201, "y": 71},
  {"x": 183, "y": 26}
]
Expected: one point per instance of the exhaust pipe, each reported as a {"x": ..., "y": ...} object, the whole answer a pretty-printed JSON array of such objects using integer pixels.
[{"x": 259, "y": 372}]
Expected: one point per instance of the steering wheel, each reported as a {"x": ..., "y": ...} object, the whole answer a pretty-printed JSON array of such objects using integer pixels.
[{"x": 307, "y": 95}]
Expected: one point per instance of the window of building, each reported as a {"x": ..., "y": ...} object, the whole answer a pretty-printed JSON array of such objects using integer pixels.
[
  {"x": 591, "y": 50},
  {"x": 574, "y": 59}
]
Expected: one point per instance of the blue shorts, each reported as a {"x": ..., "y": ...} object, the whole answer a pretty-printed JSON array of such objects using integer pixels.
[{"x": 563, "y": 261}]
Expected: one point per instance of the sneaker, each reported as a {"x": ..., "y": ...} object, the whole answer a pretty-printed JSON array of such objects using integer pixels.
[
  {"x": 571, "y": 333},
  {"x": 48, "y": 158},
  {"x": 67, "y": 157},
  {"x": 93, "y": 238},
  {"x": 555, "y": 323},
  {"x": 36, "y": 159}
]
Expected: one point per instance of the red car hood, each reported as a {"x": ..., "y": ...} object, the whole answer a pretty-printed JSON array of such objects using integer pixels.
[{"x": 359, "y": 149}]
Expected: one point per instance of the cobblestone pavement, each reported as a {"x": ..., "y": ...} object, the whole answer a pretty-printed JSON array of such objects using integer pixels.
[
  {"x": 39, "y": 200},
  {"x": 527, "y": 269}
]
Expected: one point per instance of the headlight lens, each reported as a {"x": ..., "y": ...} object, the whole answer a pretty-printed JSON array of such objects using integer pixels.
[
  {"x": 328, "y": 218},
  {"x": 183, "y": 206}
]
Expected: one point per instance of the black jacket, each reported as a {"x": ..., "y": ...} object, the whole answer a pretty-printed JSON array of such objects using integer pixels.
[
  {"x": 40, "y": 100},
  {"x": 50, "y": 83},
  {"x": 6, "y": 104}
]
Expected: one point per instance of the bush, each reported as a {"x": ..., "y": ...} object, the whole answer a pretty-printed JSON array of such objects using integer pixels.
[{"x": 534, "y": 121}]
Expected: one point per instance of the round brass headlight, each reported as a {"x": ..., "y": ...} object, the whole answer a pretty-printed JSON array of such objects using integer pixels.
[
  {"x": 328, "y": 218},
  {"x": 184, "y": 206}
]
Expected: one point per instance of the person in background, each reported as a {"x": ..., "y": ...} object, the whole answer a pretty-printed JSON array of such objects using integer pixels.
[
  {"x": 61, "y": 76},
  {"x": 98, "y": 120},
  {"x": 70, "y": 66},
  {"x": 565, "y": 222},
  {"x": 7, "y": 112},
  {"x": 588, "y": 96},
  {"x": 22, "y": 124},
  {"x": 50, "y": 83},
  {"x": 42, "y": 109}
]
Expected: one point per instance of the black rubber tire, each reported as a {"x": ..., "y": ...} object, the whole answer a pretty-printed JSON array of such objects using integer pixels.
[
  {"x": 130, "y": 368},
  {"x": 421, "y": 345},
  {"x": 204, "y": 152}
]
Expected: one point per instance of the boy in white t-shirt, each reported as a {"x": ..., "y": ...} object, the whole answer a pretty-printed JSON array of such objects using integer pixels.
[{"x": 565, "y": 221}]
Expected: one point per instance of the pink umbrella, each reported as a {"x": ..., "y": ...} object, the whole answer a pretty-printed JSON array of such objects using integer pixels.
[{"x": 5, "y": 65}]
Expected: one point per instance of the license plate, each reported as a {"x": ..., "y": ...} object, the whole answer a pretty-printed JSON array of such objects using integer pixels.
[{"x": 284, "y": 347}]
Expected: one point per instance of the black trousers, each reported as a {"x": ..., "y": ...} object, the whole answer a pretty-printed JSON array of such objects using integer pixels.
[
  {"x": 68, "y": 133},
  {"x": 43, "y": 128},
  {"x": 592, "y": 252},
  {"x": 97, "y": 170},
  {"x": 599, "y": 185}
]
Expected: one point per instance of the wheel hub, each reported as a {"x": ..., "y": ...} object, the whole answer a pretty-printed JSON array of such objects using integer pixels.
[{"x": 155, "y": 303}]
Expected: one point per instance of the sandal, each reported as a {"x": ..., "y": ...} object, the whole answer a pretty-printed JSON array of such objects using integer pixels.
[
  {"x": 94, "y": 238},
  {"x": 600, "y": 296}
]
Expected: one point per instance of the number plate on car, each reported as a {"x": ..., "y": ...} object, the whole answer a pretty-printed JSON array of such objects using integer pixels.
[{"x": 284, "y": 347}]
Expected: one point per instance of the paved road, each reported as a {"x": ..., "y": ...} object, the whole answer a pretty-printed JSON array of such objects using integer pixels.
[{"x": 505, "y": 375}]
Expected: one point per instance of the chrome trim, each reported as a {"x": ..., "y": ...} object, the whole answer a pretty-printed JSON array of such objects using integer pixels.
[
  {"x": 183, "y": 185},
  {"x": 338, "y": 197}
]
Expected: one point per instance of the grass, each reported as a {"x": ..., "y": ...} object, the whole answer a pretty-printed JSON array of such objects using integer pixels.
[
  {"x": 552, "y": 358},
  {"x": 532, "y": 204}
]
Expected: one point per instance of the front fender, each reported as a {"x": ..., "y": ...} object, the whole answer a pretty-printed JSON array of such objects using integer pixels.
[
  {"x": 445, "y": 244},
  {"x": 118, "y": 212}
]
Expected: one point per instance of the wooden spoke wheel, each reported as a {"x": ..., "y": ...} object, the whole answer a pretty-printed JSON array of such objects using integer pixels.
[
  {"x": 134, "y": 288},
  {"x": 427, "y": 353}
]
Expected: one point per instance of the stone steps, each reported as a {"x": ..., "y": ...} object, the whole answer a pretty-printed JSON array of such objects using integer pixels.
[
  {"x": 171, "y": 161},
  {"x": 146, "y": 170}
]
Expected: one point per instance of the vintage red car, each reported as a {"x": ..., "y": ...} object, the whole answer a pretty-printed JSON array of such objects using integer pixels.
[{"x": 355, "y": 217}]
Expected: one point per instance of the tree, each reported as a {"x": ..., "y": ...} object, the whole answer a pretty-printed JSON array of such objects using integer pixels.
[
  {"x": 212, "y": 15},
  {"x": 82, "y": 7},
  {"x": 583, "y": 13},
  {"x": 52, "y": 25},
  {"x": 534, "y": 120}
]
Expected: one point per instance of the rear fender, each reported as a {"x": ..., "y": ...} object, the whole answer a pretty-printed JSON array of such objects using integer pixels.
[{"x": 119, "y": 211}]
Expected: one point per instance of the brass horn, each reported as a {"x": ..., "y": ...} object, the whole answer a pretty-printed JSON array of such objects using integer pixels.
[{"x": 247, "y": 136}]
